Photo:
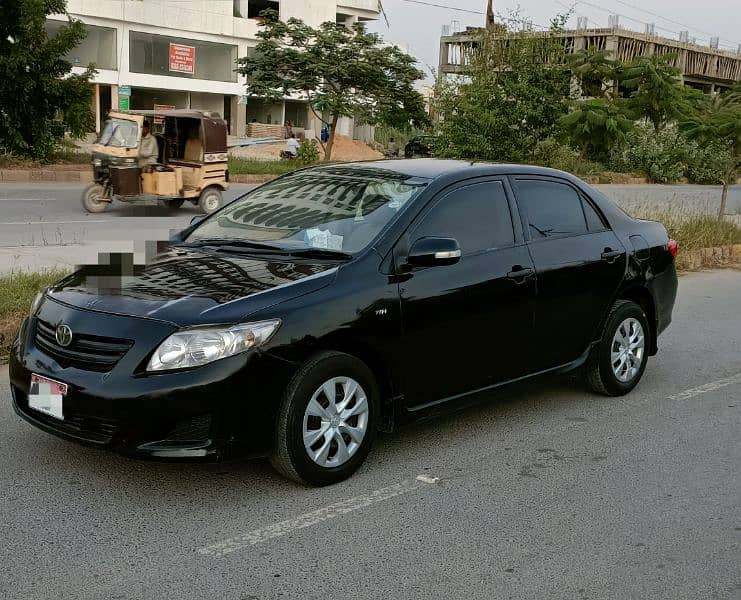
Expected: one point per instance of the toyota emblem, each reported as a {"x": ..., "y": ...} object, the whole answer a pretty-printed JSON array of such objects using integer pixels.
[{"x": 63, "y": 335}]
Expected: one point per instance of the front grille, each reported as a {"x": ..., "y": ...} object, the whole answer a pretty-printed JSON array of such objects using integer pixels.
[
  {"x": 75, "y": 423},
  {"x": 86, "y": 352}
]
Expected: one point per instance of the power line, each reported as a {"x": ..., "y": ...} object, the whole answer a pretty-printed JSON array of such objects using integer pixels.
[
  {"x": 668, "y": 20},
  {"x": 465, "y": 10}
]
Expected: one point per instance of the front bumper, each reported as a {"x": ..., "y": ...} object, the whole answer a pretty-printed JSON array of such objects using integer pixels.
[{"x": 224, "y": 408}]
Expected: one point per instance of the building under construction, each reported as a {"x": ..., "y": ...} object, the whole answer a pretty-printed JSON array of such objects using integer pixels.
[{"x": 703, "y": 67}]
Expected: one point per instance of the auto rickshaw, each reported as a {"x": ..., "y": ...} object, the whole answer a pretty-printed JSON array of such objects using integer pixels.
[{"x": 191, "y": 165}]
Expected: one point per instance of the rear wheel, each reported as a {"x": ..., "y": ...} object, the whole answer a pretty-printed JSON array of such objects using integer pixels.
[
  {"x": 210, "y": 200},
  {"x": 176, "y": 203},
  {"x": 327, "y": 420},
  {"x": 93, "y": 198},
  {"x": 623, "y": 351}
]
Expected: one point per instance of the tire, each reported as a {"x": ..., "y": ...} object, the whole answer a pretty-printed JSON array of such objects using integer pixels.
[
  {"x": 210, "y": 200},
  {"x": 172, "y": 204},
  {"x": 91, "y": 198},
  {"x": 289, "y": 455},
  {"x": 601, "y": 374}
]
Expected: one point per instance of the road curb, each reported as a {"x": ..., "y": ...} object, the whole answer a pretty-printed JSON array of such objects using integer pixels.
[
  {"x": 45, "y": 176},
  {"x": 251, "y": 178},
  {"x": 704, "y": 258}
]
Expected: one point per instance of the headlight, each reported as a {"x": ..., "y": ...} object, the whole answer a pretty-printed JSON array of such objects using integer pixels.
[
  {"x": 37, "y": 303},
  {"x": 196, "y": 347}
]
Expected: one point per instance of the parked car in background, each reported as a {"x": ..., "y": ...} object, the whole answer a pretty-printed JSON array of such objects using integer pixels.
[
  {"x": 419, "y": 146},
  {"x": 340, "y": 300}
]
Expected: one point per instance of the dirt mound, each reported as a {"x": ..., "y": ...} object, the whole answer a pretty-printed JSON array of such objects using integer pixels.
[{"x": 346, "y": 148}]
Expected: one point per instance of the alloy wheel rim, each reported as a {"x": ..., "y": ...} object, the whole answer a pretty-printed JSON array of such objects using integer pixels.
[
  {"x": 627, "y": 350},
  {"x": 335, "y": 422},
  {"x": 212, "y": 202}
]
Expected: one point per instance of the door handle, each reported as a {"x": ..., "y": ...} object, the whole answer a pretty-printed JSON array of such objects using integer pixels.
[
  {"x": 519, "y": 275},
  {"x": 610, "y": 255}
]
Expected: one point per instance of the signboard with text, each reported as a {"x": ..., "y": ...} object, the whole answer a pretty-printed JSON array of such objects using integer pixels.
[
  {"x": 123, "y": 103},
  {"x": 158, "y": 108},
  {"x": 182, "y": 59}
]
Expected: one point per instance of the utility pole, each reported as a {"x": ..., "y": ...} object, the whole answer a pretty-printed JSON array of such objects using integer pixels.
[{"x": 489, "y": 14}]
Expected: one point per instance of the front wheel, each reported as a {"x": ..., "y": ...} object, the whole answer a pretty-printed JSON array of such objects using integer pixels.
[
  {"x": 623, "y": 351},
  {"x": 327, "y": 420},
  {"x": 210, "y": 200},
  {"x": 93, "y": 198}
]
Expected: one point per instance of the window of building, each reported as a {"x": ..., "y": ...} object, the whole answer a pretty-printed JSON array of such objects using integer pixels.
[
  {"x": 178, "y": 57},
  {"x": 553, "y": 209},
  {"x": 98, "y": 47},
  {"x": 477, "y": 216},
  {"x": 255, "y": 7}
]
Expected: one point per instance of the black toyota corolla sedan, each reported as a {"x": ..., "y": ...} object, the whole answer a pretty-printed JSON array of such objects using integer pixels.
[{"x": 337, "y": 301}]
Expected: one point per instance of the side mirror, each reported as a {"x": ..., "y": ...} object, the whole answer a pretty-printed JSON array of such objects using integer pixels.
[{"x": 433, "y": 251}]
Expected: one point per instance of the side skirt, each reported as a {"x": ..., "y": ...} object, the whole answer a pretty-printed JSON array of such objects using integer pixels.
[{"x": 566, "y": 368}]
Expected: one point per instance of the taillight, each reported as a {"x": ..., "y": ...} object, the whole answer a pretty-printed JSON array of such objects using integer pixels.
[{"x": 673, "y": 248}]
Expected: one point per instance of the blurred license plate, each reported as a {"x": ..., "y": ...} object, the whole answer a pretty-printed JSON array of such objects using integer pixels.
[{"x": 47, "y": 396}]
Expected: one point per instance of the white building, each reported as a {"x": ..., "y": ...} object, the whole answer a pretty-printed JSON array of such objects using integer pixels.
[{"x": 182, "y": 53}]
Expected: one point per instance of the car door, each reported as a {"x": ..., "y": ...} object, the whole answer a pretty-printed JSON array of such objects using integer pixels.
[
  {"x": 466, "y": 325},
  {"x": 579, "y": 263}
]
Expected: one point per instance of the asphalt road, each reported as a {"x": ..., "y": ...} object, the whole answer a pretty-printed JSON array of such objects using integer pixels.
[
  {"x": 42, "y": 214},
  {"x": 546, "y": 493}
]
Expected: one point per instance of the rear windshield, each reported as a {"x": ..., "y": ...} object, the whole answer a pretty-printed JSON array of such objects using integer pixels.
[{"x": 336, "y": 209}]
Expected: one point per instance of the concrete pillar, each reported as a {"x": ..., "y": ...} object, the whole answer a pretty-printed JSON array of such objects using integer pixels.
[
  {"x": 239, "y": 117},
  {"x": 114, "y": 97},
  {"x": 96, "y": 106},
  {"x": 611, "y": 47}
]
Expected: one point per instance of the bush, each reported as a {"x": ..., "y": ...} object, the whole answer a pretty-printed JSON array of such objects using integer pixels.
[
  {"x": 659, "y": 156},
  {"x": 553, "y": 154},
  {"x": 705, "y": 165},
  {"x": 308, "y": 153}
]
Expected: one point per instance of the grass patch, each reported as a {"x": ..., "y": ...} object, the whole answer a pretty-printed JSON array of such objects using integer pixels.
[
  {"x": 17, "y": 291},
  {"x": 242, "y": 166},
  {"x": 693, "y": 231}
]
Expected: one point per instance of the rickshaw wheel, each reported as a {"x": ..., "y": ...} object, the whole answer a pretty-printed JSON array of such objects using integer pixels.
[
  {"x": 176, "y": 203},
  {"x": 92, "y": 198},
  {"x": 210, "y": 200}
]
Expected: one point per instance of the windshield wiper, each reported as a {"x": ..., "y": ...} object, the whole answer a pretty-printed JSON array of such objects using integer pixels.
[
  {"x": 321, "y": 253},
  {"x": 232, "y": 243}
]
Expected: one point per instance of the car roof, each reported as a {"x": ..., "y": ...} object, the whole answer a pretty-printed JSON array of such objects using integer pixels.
[{"x": 434, "y": 168}]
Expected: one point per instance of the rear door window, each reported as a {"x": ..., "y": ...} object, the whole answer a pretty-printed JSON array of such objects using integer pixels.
[{"x": 552, "y": 209}]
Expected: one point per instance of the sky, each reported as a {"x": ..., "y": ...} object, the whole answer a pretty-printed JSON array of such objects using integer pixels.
[{"x": 417, "y": 28}]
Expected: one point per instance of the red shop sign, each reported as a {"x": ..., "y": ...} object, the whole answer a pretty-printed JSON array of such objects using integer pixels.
[{"x": 182, "y": 59}]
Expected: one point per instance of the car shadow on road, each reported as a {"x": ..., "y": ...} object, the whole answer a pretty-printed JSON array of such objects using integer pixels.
[{"x": 495, "y": 420}]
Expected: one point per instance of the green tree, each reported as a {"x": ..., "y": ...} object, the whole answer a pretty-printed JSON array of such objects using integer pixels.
[
  {"x": 657, "y": 93},
  {"x": 594, "y": 70},
  {"x": 36, "y": 87},
  {"x": 341, "y": 71},
  {"x": 595, "y": 126},
  {"x": 516, "y": 90},
  {"x": 718, "y": 121}
]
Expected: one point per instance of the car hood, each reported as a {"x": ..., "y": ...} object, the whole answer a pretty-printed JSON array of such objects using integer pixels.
[{"x": 193, "y": 287}]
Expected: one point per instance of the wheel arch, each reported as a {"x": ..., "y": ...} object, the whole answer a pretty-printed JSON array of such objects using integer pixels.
[
  {"x": 643, "y": 298},
  {"x": 379, "y": 365}
]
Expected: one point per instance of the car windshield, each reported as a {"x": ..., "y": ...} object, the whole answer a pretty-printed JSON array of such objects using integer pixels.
[
  {"x": 120, "y": 133},
  {"x": 331, "y": 209}
]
